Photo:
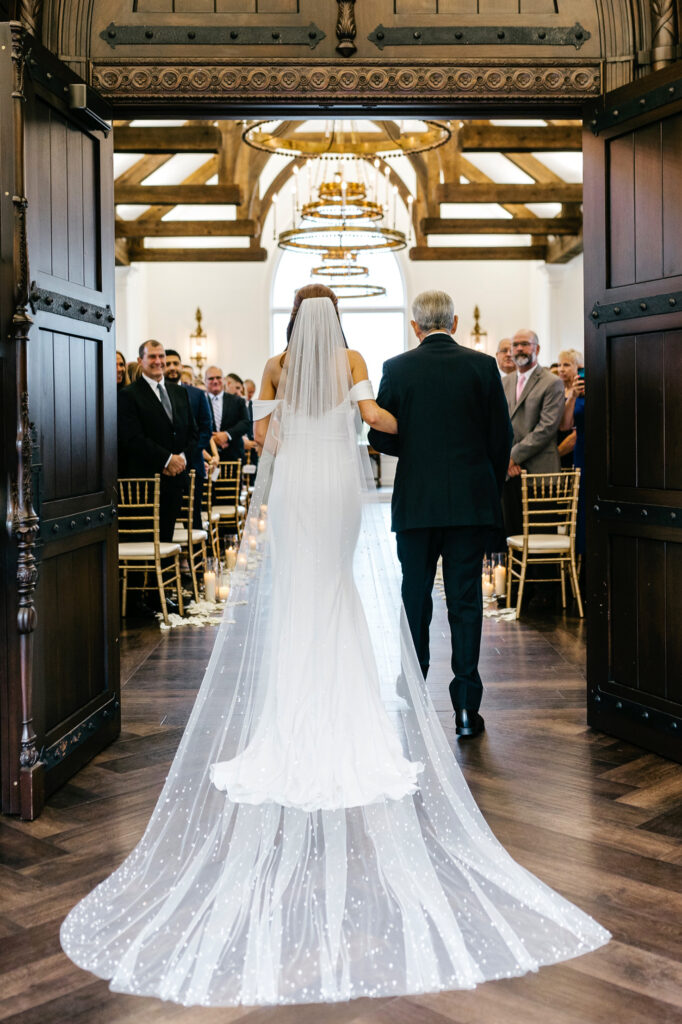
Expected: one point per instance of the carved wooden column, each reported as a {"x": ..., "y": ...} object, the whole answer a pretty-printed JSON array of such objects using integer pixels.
[
  {"x": 345, "y": 28},
  {"x": 24, "y": 521},
  {"x": 664, "y": 33}
]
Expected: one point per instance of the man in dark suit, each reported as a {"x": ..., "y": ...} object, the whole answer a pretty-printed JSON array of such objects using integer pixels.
[
  {"x": 229, "y": 417},
  {"x": 446, "y": 497},
  {"x": 156, "y": 432},
  {"x": 201, "y": 411},
  {"x": 249, "y": 442}
]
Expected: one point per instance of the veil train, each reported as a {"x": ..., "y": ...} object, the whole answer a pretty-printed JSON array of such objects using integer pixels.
[{"x": 315, "y": 840}]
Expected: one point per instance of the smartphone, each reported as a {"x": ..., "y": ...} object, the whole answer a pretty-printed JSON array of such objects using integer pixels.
[{"x": 581, "y": 373}]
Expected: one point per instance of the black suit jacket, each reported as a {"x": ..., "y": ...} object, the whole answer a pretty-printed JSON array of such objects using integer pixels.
[
  {"x": 203, "y": 417},
  {"x": 454, "y": 435},
  {"x": 235, "y": 420},
  {"x": 146, "y": 437}
]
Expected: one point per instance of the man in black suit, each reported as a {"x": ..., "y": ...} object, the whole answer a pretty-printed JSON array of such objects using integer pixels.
[
  {"x": 229, "y": 417},
  {"x": 449, "y": 478},
  {"x": 156, "y": 433},
  {"x": 249, "y": 442},
  {"x": 201, "y": 411}
]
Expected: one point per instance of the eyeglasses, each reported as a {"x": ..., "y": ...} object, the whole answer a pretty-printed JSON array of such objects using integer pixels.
[{"x": 214, "y": 378}]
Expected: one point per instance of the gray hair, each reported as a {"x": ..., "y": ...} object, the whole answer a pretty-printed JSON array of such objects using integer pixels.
[{"x": 433, "y": 311}]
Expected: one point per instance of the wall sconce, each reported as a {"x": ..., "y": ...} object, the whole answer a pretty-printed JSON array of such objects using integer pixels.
[
  {"x": 478, "y": 337},
  {"x": 198, "y": 344}
]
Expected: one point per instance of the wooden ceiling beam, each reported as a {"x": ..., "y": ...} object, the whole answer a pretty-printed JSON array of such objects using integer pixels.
[
  {"x": 478, "y": 252},
  {"x": 121, "y": 253},
  {"x": 562, "y": 250},
  {"x": 139, "y": 254},
  {"x": 504, "y": 193},
  {"x": 500, "y": 226},
  {"x": 198, "y": 177},
  {"x": 185, "y": 228},
  {"x": 172, "y": 195},
  {"x": 497, "y": 138},
  {"x": 141, "y": 169},
  {"x": 191, "y": 138}
]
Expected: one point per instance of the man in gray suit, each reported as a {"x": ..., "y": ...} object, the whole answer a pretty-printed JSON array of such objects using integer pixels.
[{"x": 536, "y": 405}]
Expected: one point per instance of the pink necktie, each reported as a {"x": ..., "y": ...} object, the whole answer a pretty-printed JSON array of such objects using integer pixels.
[{"x": 520, "y": 381}]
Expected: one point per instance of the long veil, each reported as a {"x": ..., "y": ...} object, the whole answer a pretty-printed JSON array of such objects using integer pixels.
[{"x": 225, "y": 902}]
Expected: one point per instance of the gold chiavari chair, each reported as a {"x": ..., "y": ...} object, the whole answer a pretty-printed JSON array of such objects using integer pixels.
[
  {"x": 191, "y": 540},
  {"x": 248, "y": 479},
  {"x": 138, "y": 519},
  {"x": 226, "y": 495},
  {"x": 550, "y": 514}
]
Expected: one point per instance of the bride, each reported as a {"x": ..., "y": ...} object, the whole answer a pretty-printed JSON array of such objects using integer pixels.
[{"x": 315, "y": 840}]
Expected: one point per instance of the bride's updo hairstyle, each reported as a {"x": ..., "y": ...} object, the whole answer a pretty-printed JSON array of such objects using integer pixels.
[{"x": 309, "y": 291}]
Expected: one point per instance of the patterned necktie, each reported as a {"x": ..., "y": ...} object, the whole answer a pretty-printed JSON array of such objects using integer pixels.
[
  {"x": 165, "y": 401},
  {"x": 216, "y": 401}
]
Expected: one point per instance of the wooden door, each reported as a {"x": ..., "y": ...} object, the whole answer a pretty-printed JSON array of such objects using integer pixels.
[
  {"x": 633, "y": 294},
  {"x": 59, "y": 605}
]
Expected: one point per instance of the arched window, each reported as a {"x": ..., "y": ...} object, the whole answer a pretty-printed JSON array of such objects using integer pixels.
[{"x": 374, "y": 326}]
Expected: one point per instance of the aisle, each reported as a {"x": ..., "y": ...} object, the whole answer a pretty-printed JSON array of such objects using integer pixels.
[{"x": 591, "y": 816}]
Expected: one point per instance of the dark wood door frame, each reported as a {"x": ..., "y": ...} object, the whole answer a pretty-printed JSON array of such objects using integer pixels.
[{"x": 633, "y": 306}]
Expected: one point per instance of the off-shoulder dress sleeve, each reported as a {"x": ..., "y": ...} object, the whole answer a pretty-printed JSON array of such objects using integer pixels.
[
  {"x": 360, "y": 391},
  {"x": 264, "y": 407}
]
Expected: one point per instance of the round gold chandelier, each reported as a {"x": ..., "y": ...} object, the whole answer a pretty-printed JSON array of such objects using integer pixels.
[
  {"x": 358, "y": 290},
  {"x": 346, "y": 138},
  {"x": 342, "y": 200},
  {"x": 339, "y": 263},
  {"x": 346, "y": 236}
]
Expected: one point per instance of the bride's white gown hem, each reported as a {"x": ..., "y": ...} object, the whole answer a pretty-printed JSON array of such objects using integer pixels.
[{"x": 315, "y": 840}]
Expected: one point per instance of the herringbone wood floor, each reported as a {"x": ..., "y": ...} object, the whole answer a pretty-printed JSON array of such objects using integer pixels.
[{"x": 597, "y": 819}]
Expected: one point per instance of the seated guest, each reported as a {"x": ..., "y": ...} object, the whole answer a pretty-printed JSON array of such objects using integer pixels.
[
  {"x": 200, "y": 454},
  {"x": 505, "y": 363},
  {"x": 230, "y": 419},
  {"x": 122, "y": 379},
  {"x": 567, "y": 370},
  {"x": 156, "y": 432}
]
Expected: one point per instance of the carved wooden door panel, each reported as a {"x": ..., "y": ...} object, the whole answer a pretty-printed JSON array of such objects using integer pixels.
[
  {"x": 59, "y": 611},
  {"x": 633, "y": 294}
]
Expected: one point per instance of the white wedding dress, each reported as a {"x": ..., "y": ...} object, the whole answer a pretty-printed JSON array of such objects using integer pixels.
[{"x": 315, "y": 840}]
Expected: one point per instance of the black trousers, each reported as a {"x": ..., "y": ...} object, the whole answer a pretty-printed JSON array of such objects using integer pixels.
[
  {"x": 462, "y": 549},
  {"x": 170, "y": 503}
]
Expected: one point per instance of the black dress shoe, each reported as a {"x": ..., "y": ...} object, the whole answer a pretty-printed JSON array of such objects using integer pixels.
[{"x": 468, "y": 723}]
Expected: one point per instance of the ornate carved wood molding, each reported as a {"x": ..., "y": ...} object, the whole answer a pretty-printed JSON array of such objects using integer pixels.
[
  {"x": 25, "y": 524},
  {"x": 345, "y": 28},
  {"x": 664, "y": 33},
  {"x": 395, "y": 81}
]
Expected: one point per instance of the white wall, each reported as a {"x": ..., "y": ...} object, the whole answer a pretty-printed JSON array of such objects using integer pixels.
[{"x": 158, "y": 300}]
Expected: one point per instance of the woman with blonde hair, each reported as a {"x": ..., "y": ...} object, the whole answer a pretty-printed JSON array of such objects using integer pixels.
[{"x": 569, "y": 362}]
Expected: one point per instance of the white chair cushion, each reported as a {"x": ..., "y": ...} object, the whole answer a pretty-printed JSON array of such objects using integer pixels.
[
  {"x": 180, "y": 535},
  {"x": 540, "y": 543},
  {"x": 248, "y": 469},
  {"x": 145, "y": 549},
  {"x": 228, "y": 510}
]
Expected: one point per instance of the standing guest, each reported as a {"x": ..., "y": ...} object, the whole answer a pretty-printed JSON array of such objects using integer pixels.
[
  {"x": 249, "y": 443},
  {"x": 200, "y": 454},
  {"x": 505, "y": 363},
  {"x": 134, "y": 371},
  {"x": 234, "y": 385},
  {"x": 535, "y": 398},
  {"x": 574, "y": 418},
  {"x": 187, "y": 375},
  {"x": 446, "y": 497},
  {"x": 567, "y": 368},
  {"x": 230, "y": 419},
  {"x": 156, "y": 432},
  {"x": 122, "y": 379}
]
